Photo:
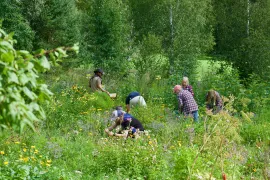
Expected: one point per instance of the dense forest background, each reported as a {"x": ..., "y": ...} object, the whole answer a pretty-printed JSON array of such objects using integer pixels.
[
  {"x": 160, "y": 36},
  {"x": 52, "y": 125}
]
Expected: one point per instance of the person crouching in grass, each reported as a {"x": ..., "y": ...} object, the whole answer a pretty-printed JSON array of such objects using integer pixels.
[
  {"x": 213, "y": 102},
  {"x": 130, "y": 126}
]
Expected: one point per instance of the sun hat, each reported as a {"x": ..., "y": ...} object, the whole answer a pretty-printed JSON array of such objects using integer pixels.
[
  {"x": 99, "y": 71},
  {"x": 176, "y": 88}
]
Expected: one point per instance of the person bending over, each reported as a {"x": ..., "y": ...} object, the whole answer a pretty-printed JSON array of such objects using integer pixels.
[
  {"x": 133, "y": 99},
  {"x": 186, "y": 103},
  {"x": 213, "y": 102},
  {"x": 130, "y": 126}
]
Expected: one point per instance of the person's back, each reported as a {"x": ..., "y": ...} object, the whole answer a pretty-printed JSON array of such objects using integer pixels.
[
  {"x": 188, "y": 101},
  {"x": 94, "y": 82}
]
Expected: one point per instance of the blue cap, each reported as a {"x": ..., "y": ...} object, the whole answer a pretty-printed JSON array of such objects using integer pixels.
[{"x": 127, "y": 117}]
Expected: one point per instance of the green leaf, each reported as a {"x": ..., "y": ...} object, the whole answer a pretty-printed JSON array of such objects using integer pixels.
[
  {"x": 6, "y": 44},
  {"x": 29, "y": 93},
  {"x": 44, "y": 63},
  {"x": 12, "y": 77},
  {"x": 23, "y": 79},
  {"x": 7, "y": 57}
]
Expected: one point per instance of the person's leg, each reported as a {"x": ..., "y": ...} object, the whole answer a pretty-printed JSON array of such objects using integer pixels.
[{"x": 195, "y": 116}]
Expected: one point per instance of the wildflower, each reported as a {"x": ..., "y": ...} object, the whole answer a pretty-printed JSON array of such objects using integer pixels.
[
  {"x": 2, "y": 152},
  {"x": 179, "y": 143},
  {"x": 36, "y": 151},
  {"x": 48, "y": 164},
  {"x": 24, "y": 149},
  {"x": 26, "y": 159},
  {"x": 148, "y": 137},
  {"x": 150, "y": 142},
  {"x": 33, "y": 147},
  {"x": 6, "y": 163},
  {"x": 24, "y": 144},
  {"x": 17, "y": 142},
  {"x": 99, "y": 109},
  {"x": 254, "y": 169},
  {"x": 90, "y": 134},
  {"x": 80, "y": 129},
  {"x": 40, "y": 156},
  {"x": 41, "y": 162},
  {"x": 49, "y": 161},
  {"x": 172, "y": 147}
]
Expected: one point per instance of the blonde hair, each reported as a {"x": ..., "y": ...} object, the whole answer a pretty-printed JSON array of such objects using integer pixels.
[{"x": 186, "y": 80}]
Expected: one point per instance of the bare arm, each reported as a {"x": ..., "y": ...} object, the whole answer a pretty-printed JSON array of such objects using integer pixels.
[
  {"x": 128, "y": 108},
  {"x": 99, "y": 86}
]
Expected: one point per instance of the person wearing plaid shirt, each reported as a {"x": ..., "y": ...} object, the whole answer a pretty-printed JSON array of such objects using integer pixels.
[{"x": 187, "y": 103}]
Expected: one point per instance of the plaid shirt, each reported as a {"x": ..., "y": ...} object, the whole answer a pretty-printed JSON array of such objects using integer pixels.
[
  {"x": 189, "y": 88},
  {"x": 187, "y": 102}
]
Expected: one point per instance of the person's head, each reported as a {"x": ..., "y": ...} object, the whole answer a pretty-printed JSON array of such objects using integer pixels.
[
  {"x": 211, "y": 97},
  {"x": 177, "y": 89},
  {"x": 185, "y": 82},
  {"x": 99, "y": 72},
  {"x": 117, "y": 114}
]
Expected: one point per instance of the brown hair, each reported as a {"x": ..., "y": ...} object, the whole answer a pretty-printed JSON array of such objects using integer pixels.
[{"x": 211, "y": 97}]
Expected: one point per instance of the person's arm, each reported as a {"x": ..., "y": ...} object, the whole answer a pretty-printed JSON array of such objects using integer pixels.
[
  {"x": 180, "y": 104},
  {"x": 128, "y": 108},
  {"x": 100, "y": 87},
  {"x": 113, "y": 126},
  {"x": 191, "y": 90}
]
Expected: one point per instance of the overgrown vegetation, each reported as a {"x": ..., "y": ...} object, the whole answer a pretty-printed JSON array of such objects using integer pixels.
[{"x": 146, "y": 46}]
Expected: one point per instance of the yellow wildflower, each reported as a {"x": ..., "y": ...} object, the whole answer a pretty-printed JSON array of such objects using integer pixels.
[
  {"x": 24, "y": 144},
  {"x": 179, "y": 143},
  {"x": 26, "y": 159},
  {"x": 17, "y": 142},
  {"x": 254, "y": 169},
  {"x": 33, "y": 147},
  {"x": 99, "y": 109},
  {"x": 6, "y": 163},
  {"x": 49, "y": 161},
  {"x": 41, "y": 162},
  {"x": 150, "y": 142},
  {"x": 90, "y": 134},
  {"x": 40, "y": 156},
  {"x": 48, "y": 164},
  {"x": 172, "y": 147},
  {"x": 80, "y": 129},
  {"x": 36, "y": 151},
  {"x": 24, "y": 149},
  {"x": 2, "y": 152}
]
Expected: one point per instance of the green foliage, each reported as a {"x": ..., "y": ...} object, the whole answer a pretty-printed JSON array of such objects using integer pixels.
[
  {"x": 21, "y": 91},
  {"x": 106, "y": 33},
  {"x": 55, "y": 22},
  {"x": 14, "y": 21}
]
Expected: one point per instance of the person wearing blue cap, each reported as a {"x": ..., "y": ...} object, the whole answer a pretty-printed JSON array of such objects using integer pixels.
[
  {"x": 129, "y": 125},
  {"x": 133, "y": 99},
  {"x": 95, "y": 82}
]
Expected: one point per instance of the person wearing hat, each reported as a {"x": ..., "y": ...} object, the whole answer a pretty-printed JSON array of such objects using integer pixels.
[
  {"x": 186, "y": 102},
  {"x": 95, "y": 82},
  {"x": 133, "y": 99},
  {"x": 129, "y": 125}
]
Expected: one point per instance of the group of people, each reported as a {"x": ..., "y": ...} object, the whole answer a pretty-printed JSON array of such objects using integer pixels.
[
  {"x": 187, "y": 104},
  {"x": 132, "y": 127}
]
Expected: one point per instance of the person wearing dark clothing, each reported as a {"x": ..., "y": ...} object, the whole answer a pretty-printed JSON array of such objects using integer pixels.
[{"x": 129, "y": 125}]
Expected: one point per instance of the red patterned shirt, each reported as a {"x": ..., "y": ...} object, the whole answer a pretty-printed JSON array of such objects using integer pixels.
[{"x": 187, "y": 102}]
